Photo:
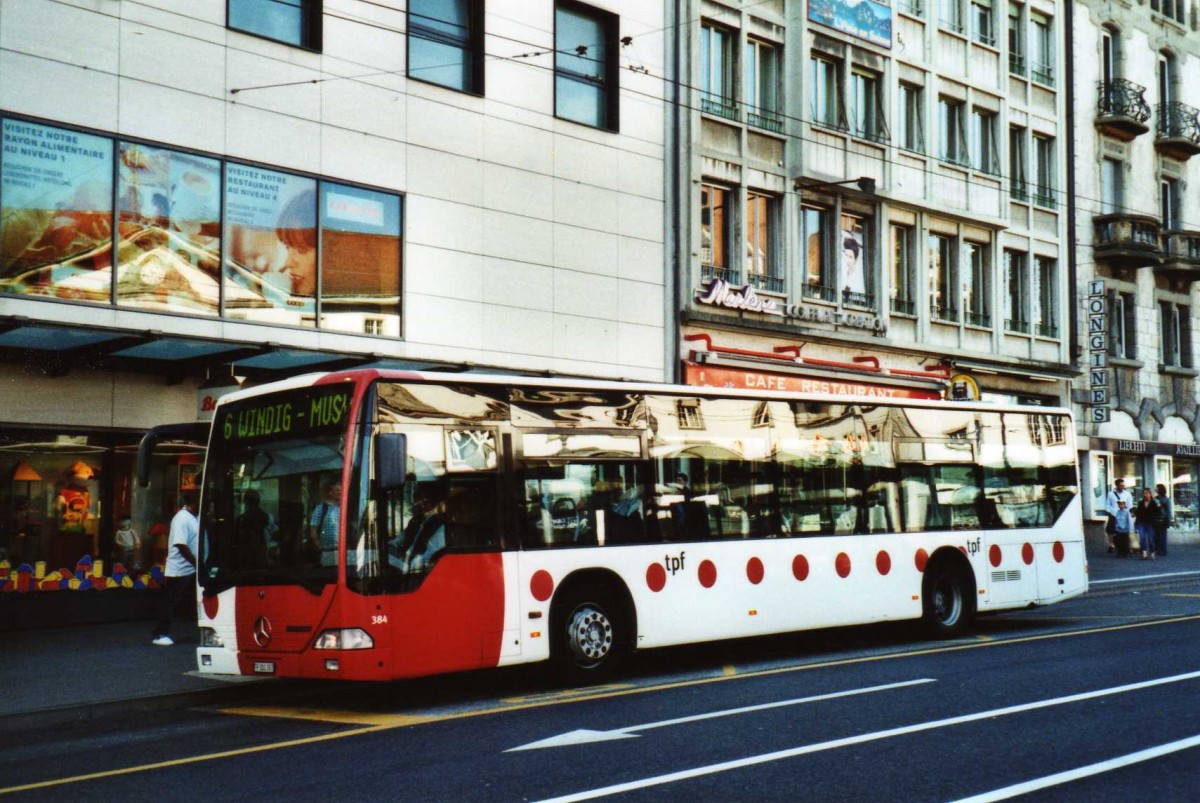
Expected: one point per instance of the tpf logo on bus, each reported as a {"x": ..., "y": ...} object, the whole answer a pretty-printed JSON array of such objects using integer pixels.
[{"x": 673, "y": 564}]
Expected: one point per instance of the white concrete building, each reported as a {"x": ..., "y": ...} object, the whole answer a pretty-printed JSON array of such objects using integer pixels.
[
  {"x": 1138, "y": 224},
  {"x": 198, "y": 190},
  {"x": 875, "y": 197}
]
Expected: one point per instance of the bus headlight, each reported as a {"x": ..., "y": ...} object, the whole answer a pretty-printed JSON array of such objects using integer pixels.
[
  {"x": 350, "y": 638},
  {"x": 209, "y": 638}
]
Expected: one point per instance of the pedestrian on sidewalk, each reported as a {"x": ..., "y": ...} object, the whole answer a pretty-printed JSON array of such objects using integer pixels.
[
  {"x": 1122, "y": 527},
  {"x": 1147, "y": 522},
  {"x": 181, "y": 567},
  {"x": 1117, "y": 494},
  {"x": 1166, "y": 518}
]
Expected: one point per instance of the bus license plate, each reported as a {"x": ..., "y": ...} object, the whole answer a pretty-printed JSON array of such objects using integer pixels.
[{"x": 264, "y": 667}]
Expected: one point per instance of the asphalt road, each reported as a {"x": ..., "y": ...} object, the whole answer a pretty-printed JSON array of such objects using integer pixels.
[{"x": 1095, "y": 699}]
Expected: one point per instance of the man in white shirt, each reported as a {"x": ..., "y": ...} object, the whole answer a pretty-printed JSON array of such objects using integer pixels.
[
  {"x": 180, "y": 570},
  {"x": 1117, "y": 494}
]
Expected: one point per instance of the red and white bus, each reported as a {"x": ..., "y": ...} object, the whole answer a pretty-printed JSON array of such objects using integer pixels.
[{"x": 372, "y": 525}]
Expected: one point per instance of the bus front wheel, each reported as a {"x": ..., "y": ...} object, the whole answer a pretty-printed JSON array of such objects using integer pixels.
[
  {"x": 947, "y": 600},
  {"x": 588, "y": 633}
]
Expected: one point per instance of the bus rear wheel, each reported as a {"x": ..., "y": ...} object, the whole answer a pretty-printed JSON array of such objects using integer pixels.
[
  {"x": 948, "y": 605},
  {"x": 588, "y": 633}
]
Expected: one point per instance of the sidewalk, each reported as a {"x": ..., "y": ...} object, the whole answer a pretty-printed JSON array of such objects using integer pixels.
[{"x": 79, "y": 674}]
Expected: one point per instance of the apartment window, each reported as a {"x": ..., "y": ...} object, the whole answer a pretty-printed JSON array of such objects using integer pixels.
[
  {"x": 1017, "y": 291},
  {"x": 714, "y": 234},
  {"x": 814, "y": 234},
  {"x": 1169, "y": 203},
  {"x": 1018, "y": 183},
  {"x": 942, "y": 268},
  {"x": 762, "y": 86},
  {"x": 1111, "y": 171},
  {"x": 716, "y": 72},
  {"x": 293, "y": 22},
  {"x": 913, "y": 8},
  {"x": 866, "y": 108},
  {"x": 826, "y": 90},
  {"x": 950, "y": 15},
  {"x": 952, "y": 139},
  {"x": 903, "y": 273},
  {"x": 856, "y": 263},
  {"x": 1122, "y": 317},
  {"x": 762, "y": 269},
  {"x": 983, "y": 141},
  {"x": 1041, "y": 50},
  {"x": 1016, "y": 40},
  {"x": 977, "y": 286},
  {"x": 690, "y": 416},
  {"x": 1108, "y": 56},
  {"x": 1045, "y": 313},
  {"x": 1168, "y": 8},
  {"x": 909, "y": 108},
  {"x": 585, "y": 65},
  {"x": 1166, "y": 82},
  {"x": 982, "y": 28},
  {"x": 1176, "y": 340},
  {"x": 1043, "y": 153},
  {"x": 445, "y": 43}
]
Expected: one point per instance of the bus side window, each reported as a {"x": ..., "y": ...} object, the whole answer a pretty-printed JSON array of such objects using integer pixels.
[{"x": 471, "y": 514}]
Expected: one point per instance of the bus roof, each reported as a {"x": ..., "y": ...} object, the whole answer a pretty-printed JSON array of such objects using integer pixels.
[{"x": 360, "y": 376}]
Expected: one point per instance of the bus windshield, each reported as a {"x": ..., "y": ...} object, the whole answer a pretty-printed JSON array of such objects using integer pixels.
[{"x": 272, "y": 491}]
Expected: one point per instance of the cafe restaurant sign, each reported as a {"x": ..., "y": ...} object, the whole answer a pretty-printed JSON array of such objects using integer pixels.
[
  {"x": 736, "y": 378},
  {"x": 720, "y": 293}
]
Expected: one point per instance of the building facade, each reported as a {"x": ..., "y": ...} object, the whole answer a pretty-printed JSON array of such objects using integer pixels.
[
  {"x": 873, "y": 198},
  {"x": 1138, "y": 224},
  {"x": 199, "y": 193}
]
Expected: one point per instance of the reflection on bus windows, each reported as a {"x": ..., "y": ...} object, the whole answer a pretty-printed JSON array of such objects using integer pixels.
[{"x": 585, "y": 504}]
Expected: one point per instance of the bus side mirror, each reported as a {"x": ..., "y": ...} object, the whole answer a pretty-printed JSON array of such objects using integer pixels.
[
  {"x": 191, "y": 432},
  {"x": 391, "y": 459}
]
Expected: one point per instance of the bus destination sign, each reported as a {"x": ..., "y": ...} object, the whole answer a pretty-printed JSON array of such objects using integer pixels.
[{"x": 295, "y": 413}]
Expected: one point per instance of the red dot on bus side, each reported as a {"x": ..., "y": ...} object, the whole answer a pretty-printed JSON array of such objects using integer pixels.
[
  {"x": 708, "y": 573},
  {"x": 754, "y": 570},
  {"x": 842, "y": 564},
  {"x": 211, "y": 604},
  {"x": 541, "y": 585},
  {"x": 883, "y": 562},
  {"x": 995, "y": 555},
  {"x": 656, "y": 577},
  {"x": 920, "y": 559},
  {"x": 800, "y": 568},
  {"x": 1059, "y": 552},
  {"x": 1027, "y": 554}
]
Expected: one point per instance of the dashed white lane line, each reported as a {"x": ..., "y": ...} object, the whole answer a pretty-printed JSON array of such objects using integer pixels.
[{"x": 779, "y": 755}]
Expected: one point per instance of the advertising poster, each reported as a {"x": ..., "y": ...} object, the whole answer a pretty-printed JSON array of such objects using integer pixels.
[
  {"x": 271, "y": 227},
  {"x": 854, "y": 279},
  {"x": 863, "y": 19},
  {"x": 360, "y": 259},
  {"x": 168, "y": 252},
  {"x": 55, "y": 211}
]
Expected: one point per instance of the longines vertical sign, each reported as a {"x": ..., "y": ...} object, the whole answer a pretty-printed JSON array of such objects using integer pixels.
[{"x": 1097, "y": 308}]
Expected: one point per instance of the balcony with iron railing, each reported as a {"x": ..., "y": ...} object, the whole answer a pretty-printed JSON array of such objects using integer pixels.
[
  {"x": 820, "y": 292},
  {"x": 1127, "y": 240},
  {"x": 1016, "y": 64},
  {"x": 760, "y": 281},
  {"x": 766, "y": 119},
  {"x": 1047, "y": 330},
  {"x": 719, "y": 106},
  {"x": 1121, "y": 109},
  {"x": 730, "y": 275},
  {"x": 904, "y": 306},
  {"x": 1181, "y": 254},
  {"x": 944, "y": 313},
  {"x": 859, "y": 300},
  {"x": 1016, "y": 325},
  {"x": 980, "y": 319},
  {"x": 1177, "y": 133}
]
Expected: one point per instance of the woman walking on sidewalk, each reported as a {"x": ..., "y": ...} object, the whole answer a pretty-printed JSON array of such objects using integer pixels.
[
  {"x": 1147, "y": 521},
  {"x": 1166, "y": 515}
]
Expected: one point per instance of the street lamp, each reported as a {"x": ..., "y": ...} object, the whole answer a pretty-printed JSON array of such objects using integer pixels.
[{"x": 866, "y": 184}]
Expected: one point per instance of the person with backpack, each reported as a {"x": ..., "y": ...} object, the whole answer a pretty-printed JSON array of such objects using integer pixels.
[{"x": 1166, "y": 516}]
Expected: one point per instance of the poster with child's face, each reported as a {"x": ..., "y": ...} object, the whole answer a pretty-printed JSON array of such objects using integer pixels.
[
  {"x": 853, "y": 275},
  {"x": 271, "y": 229}
]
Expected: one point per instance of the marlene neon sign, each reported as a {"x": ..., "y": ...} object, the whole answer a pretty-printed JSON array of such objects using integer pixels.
[{"x": 720, "y": 293}]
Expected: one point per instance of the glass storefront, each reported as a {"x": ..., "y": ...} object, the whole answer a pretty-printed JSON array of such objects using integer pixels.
[
  {"x": 73, "y": 516},
  {"x": 1183, "y": 495}
]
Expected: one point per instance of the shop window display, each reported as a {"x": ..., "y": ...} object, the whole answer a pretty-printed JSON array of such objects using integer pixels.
[{"x": 73, "y": 518}]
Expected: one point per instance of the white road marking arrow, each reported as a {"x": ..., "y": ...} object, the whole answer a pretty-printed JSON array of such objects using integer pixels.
[{"x": 584, "y": 736}]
